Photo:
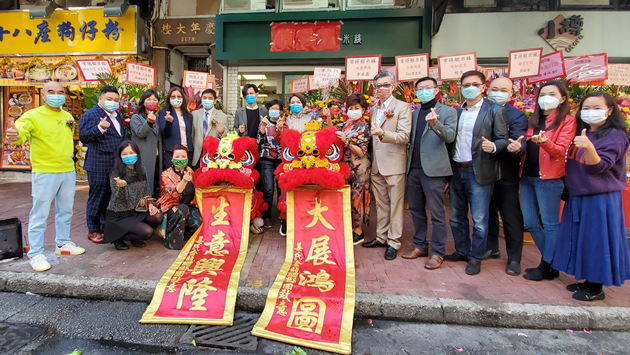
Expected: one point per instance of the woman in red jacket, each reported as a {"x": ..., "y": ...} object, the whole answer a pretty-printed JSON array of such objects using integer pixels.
[{"x": 550, "y": 133}]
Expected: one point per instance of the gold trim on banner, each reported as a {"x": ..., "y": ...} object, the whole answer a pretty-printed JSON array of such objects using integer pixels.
[
  {"x": 345, "y": 336},
  {"x": 230, "y": 302}
]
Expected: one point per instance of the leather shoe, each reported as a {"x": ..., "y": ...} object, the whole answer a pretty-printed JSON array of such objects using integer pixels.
[
  {"x": 491, "y": 255},
  {"x": 374, "y": 244},
  {"x": 434, "y": 263},
  {"x": 120, "y": 245},
  {"x": 473, "y": 267},
  {"x": 390, "y": 253},
  {"x": 455, "y": 257},
  {"x": 416, "y": 253},
  {"x": 513, "y": 268},
  {"x": 95, "y": 237}
]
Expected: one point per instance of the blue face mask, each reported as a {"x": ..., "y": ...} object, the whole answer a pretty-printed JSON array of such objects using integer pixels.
[
  {"x": 110, "y": 106},
  {"x": 55, "y": 100},
  {"x": 130, "y": 159},
  {"x": 274, "y": 114},
  {"x": 498, "y": 97},
  {"x": 296, "y": 108},
  {"x": 425, "y": 95},
  {"x": 207, "y": 104},
  {"x": 250, "y": 99},
  {"x": 471, "y": 92}
]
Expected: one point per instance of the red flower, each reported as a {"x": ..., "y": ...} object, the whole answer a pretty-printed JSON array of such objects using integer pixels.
[{"x": 335, "y": 110}]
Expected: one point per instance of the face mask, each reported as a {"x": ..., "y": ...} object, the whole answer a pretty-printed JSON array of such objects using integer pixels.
[
  {"x": 207, "y": 104},
  {"x": 177, "y": 102},
  {"x": 425, "y": 95},
  {"x": 471, "y": 92},
  {"x": 296, "y": 108},
  {"x": 498, "y": 97},
  {"x": 274, "y": 114},
  {"x": 354, "y": 114},
  {"x": 151, "y": 106},
  {"x": 130, "y": 159},
  {"x": 111, "y": 106},
  {"x": 250, "y": 99},
  {"x": 55, "y": 100},
  {"x": 593, "y": 116},
  {"x": 548, "y": 102},
  {"x": 180, "y": 164}
]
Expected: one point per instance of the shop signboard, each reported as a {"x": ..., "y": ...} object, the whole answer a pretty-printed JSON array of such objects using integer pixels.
[{"x": 188, "y": 31}]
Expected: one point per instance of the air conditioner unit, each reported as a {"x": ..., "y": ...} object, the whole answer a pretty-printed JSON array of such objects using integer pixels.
[
  {"x": 27, "y": 4},
  {"x": 244, "y": 5},
  {"x": 371, "y": 3},
  {"x": 304, "y": 4}
]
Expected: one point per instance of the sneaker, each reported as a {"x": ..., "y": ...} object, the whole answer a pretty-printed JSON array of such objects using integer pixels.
[
  {"x": 283, "y": 228},
  {"x": 589, "y": 295},
  {"x": 69, "y": 249},
  {"x": 357, "y": 238},
  {"x": 268, "y": 223},
  {"x": 39, "y": 263}
]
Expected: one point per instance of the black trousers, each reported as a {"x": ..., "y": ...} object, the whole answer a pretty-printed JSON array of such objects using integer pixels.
[{"x": 505, "y": 200}]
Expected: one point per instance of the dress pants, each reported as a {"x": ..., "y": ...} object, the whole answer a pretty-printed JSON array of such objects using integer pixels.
[
  {"x": 505, "y": 200},
  {"x": 389, "y": 193},
  {"x": 98, "y": 200}
]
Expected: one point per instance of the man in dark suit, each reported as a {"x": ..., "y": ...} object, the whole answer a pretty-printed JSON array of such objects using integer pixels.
[
  {"x": 432, "y": 126},
  {"x": 505, "y": 199},
  {"x": 247, "y": 119},
  {"x": 482, "y": 130},
  {"x": 101, "y": 129}
]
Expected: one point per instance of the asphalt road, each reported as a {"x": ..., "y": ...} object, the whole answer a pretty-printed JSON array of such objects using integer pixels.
[{"x": 32, "y": 324}]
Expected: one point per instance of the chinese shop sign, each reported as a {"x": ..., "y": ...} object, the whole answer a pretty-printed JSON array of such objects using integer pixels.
[
  {"x": 451, "y": 67},
  {"x": 551, "y": 67},
  {"x": 67, "y": 31},
  {"x": 140, "y": 74},
  {"x": 186, "y": 31},
  {"x": 524, "y": 63},
  {"x": 563, "y": 33},
  {"x": 412, "y": 67},
  {"x": 362, "y": 68}
]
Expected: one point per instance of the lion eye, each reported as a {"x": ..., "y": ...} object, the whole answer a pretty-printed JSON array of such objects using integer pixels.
[
  {"x": 247, "y": 159},
  {"x": 286, "y": 155},
  {"x": 216, "y": 156},
  {"x": 231, "y": 156},
  {"x": 333, "y": 153},
  {"x": 206, "y": 158}
]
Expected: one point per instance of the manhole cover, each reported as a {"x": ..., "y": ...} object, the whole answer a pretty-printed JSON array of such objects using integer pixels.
[
  {"x": 236, "y": 336},
  {"x": 14, "y": 337}
]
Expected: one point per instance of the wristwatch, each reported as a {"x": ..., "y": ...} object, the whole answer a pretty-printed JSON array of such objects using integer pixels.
[{"x": 382, "y": 136}]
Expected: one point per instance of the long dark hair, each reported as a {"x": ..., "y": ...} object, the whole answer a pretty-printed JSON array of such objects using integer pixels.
[
  {"x": 120, "y": 169},
  {"x": 145, "y": 95},
  {"x": 561, "y": 111},
  {"x": 169, "y": 107},
  {"x": 614, "y": 121}
]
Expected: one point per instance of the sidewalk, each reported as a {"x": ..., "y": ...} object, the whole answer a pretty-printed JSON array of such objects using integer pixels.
[{"x": 374, "y": 275}]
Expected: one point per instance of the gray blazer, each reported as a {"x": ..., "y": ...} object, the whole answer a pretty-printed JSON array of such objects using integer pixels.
[
  {"x": 197, "y": 130},
  {"x": 240, "y": 117},
  {"x": 433, "y": 152},
  {"x": 149, "y": 141}
]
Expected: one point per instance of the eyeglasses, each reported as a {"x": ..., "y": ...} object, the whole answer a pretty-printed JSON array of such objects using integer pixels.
[
  {"x": 383, "y": 86},
  {"x": 426, "y": 88},
  {"x": 467, "y": 85}
]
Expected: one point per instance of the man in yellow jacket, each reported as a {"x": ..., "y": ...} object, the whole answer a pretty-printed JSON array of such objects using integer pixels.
[{"x": 49, "y": 129}]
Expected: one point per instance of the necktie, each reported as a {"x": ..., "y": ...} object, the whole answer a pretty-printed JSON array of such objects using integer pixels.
[{"x": 205, "y": 123}]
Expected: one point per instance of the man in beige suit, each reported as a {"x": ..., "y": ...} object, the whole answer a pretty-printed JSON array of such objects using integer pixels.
[
  {"x": 207, "y": 121},
  {"x": 391, "y": 125}
]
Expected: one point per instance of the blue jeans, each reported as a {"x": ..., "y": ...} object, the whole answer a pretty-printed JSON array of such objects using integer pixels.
[
  {"x": 540, "y": 199},
  {"x": 269, "y": 182},
  {"x": 45, "y": 188},
  {"x": 464, "y": 191}
]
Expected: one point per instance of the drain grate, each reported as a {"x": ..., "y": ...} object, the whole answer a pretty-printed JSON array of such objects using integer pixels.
[{"x": 232, "y": 337}]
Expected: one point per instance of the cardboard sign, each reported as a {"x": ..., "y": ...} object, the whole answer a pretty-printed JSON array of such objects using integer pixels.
[
  {"x": 326, "y": 77},
  {"x": 140, "y": 74},
  {"x": 618, "y": 74},
  {"x": 312, "y": 85},
  {"x": 587, "y": 68},
  {"x": 494, "y": 73},
  {"x": 524, "y": 63},
  {"x": 451, "y": 67},
  {"x": 299, "y": 86},
  {"x": 412, "y": 67},
  {"x": 362, "y": 68},
  {"x": 551, "y": 67},
  {"x": 434, "y": 72},
  {"x": 90, "y": 68},
  {"x": 195, "y": 79}
]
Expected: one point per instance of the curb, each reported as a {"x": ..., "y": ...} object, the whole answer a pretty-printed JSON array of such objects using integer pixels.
[{"x": 379, "y": 306}]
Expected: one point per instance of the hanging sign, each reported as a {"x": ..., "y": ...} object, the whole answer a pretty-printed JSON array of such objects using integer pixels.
[
  {"x": 140, "y": 74},
  {"x": 362, "y": 68},
  {"x": 195, "y": 79},
  {"x": 587, "y": 68},
  {"x": 326, "y": 77},
  {"x": 412, "y": 67},
  {"x": 299, "y": 86},
  {"x": 451, "y": 67},
  {"x": 551, "y": 67},
  {"x": 618, "y": 74},
  {"x": 524, "y": 63},
  {"x": 91, "y": 68}
]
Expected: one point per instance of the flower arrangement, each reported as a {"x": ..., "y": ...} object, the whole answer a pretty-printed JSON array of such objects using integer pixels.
[
  {"x": 71, "y": 123},
  {"x": 194, "y": 99},
  {"x": 127, "y": 108}
]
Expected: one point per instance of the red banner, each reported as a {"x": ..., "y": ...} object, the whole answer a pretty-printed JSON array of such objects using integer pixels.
[
  {"x": 200, "y": 287},
  {"x": 305, "y": 37},
  {"x": 311, "y": 303}
]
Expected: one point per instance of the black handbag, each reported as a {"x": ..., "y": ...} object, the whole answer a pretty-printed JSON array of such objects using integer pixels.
[{"x": 11, "y": 239}]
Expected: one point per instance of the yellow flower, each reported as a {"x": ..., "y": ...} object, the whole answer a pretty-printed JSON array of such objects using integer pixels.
[
  {"x": 416, "y": 100},
  {"x": 570, "y": 100},
  {"x": 328, "y": 100},
  {"x": 319, "y": 103},
  {"x": 367, "y": 97},
  {"x": 519, "y": 103},
  {"x": 625, "y": 109},
  {"x": 369, "y": 101}
]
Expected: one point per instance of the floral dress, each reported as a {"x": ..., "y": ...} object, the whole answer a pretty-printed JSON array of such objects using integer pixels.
[{"x": 358, "y": 132}]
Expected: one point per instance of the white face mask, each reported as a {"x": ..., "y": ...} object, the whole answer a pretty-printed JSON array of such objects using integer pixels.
[
  {"x": 177, "y": 102},
  {"x": 548, "y": 102},
  {"x": 354, "y": 114},
  {"x": 593, "y": 116}
]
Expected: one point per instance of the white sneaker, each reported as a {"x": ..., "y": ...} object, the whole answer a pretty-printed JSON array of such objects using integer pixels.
[
  {"x": 69, "y": 249},
  {"x": 39, "y": 263}
]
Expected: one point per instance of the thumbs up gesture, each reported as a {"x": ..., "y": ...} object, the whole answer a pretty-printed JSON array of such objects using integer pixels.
[
  {"x": 432, "y": 117},
  {"x": 487, "y": 145},
  {"x": 119, "y": 182},
  {"x": 582, "y": 141},
  {"x": 12, "y": 132},
  {"x": 515, "y": 145},
  {"x": 168, "y": 116}
]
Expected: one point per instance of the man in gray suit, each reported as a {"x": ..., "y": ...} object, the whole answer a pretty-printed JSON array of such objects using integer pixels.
[
  {"x": 391, "y": 124},
  {"x": 247, "y": 119},
  {"x": 207, "y": 121},
  {"x": 432, "y": 126}
]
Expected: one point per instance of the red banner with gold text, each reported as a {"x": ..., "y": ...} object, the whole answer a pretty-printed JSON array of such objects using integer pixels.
[
  {"x": 311, "y": 303},
  {"x": 200, "y": 287}
]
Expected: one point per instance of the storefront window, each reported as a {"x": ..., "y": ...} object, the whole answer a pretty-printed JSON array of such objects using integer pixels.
[
  {"x": 309, "y": 5},
  {"x": 233, "y": 6},
  {"x": 269, "y": 85}
]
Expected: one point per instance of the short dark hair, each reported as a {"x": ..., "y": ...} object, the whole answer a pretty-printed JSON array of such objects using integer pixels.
[
  {"x": 275, "y": 102},
  {"x": 300, "y": 97},
  {"x": 425, "y": 79},
  {"x": 180, "y": 147},
  {"x": 476, "y": 73},
  {"x": 247, "y": 86},
  {"x": 109, "y": 88},
  {"x": 356, "y": 98},
  {"x": 209, "y": 91}
]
